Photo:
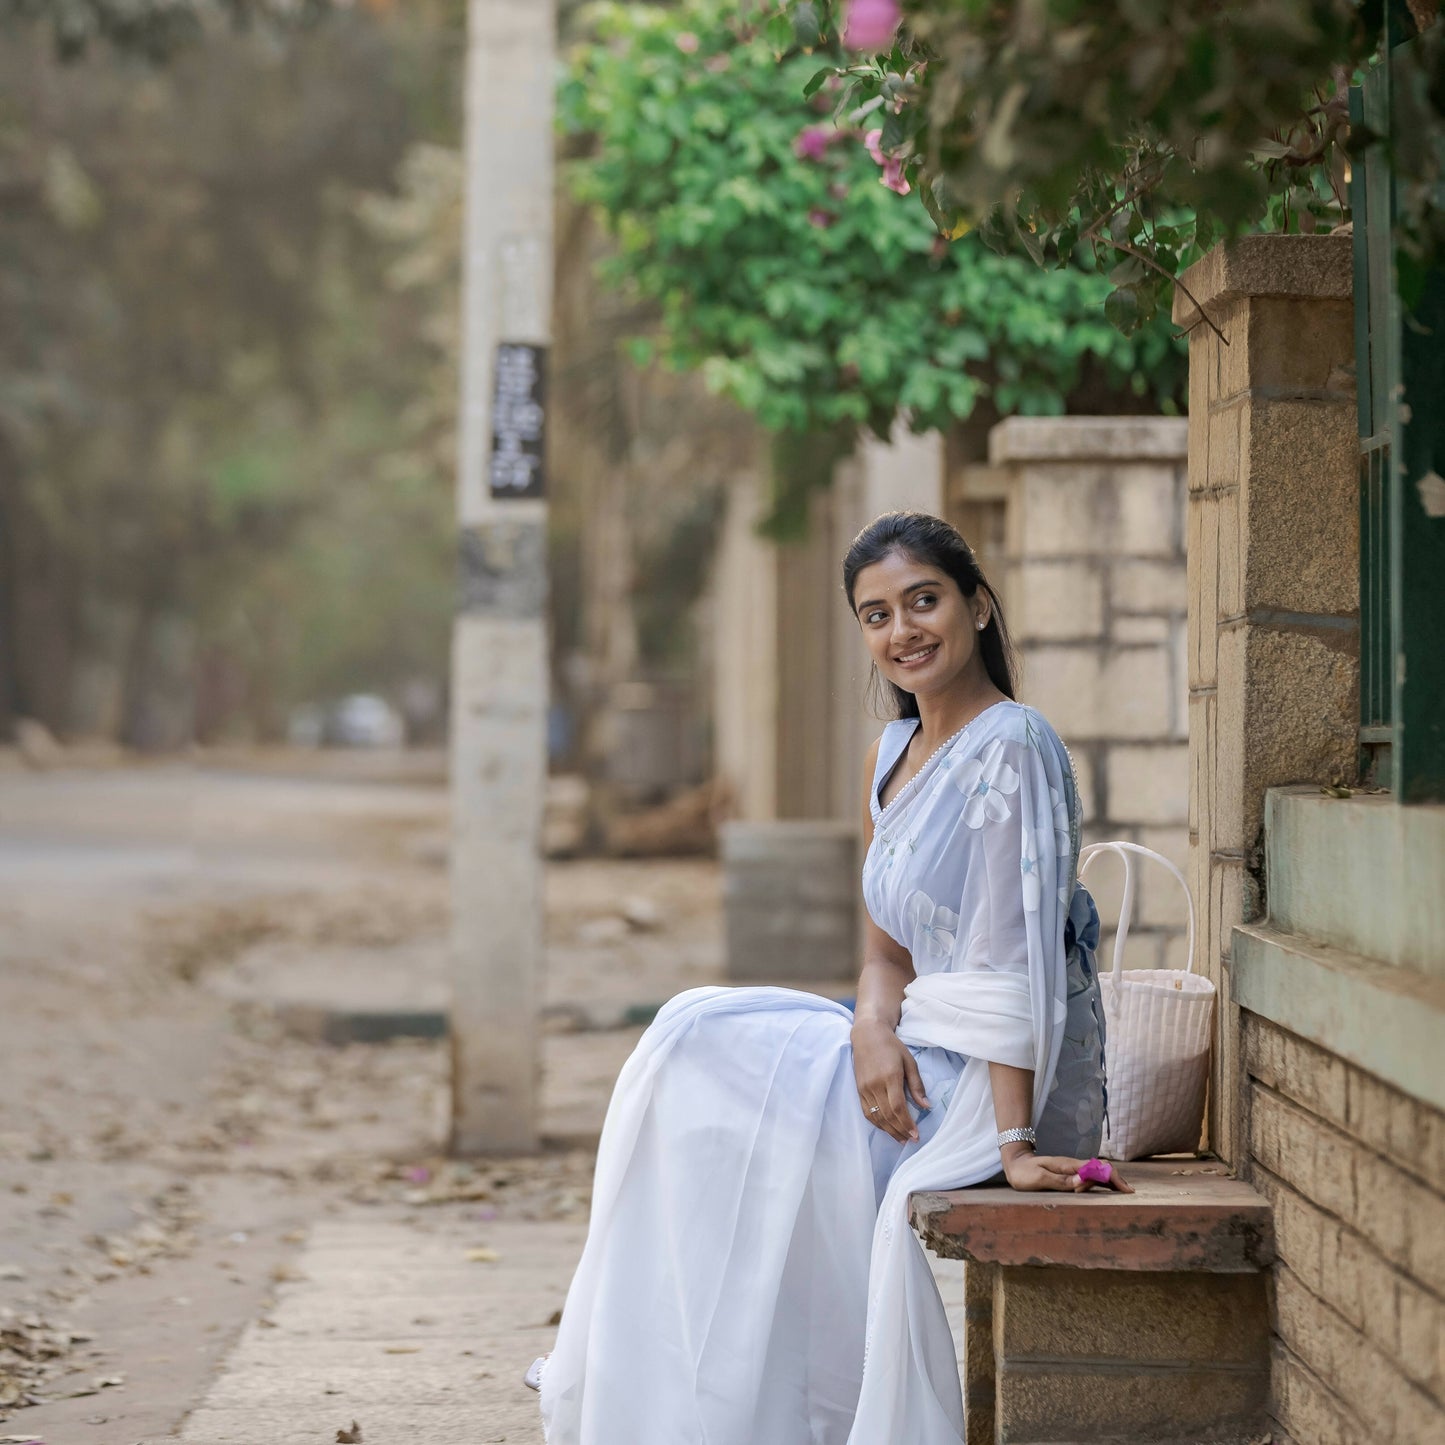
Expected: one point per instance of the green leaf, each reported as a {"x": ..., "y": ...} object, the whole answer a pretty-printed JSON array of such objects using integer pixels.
[
  {"x": 1121, "y": 308},
  {"x": 818, "y": 80},
  {"x": 806, "y": 25}
]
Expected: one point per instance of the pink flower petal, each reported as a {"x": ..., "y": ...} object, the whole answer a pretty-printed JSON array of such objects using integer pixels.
[
  {"x": 811, "y": 143},
  {"x": 870, "y": 24},
  {"x": 1096, "y": 1171}
]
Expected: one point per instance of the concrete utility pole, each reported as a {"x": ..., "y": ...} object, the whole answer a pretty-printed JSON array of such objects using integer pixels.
[{"x": 499, "y": 644}]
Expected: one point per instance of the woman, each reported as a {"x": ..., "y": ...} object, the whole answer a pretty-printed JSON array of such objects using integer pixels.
[{"x": 750, "y": 1277}]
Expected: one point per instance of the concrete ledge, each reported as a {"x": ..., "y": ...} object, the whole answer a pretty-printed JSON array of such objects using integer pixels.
[
  {"x": 1089, "y": 439},
  {"x": 1388, "y": 1021},
  {"x": 1304, "y": 267},
  {"x": 1186, "y": 1214},
  {"x": 1361, "y": 874}
]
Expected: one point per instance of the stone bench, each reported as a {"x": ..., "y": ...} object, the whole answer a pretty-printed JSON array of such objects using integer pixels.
[{"x": 1102, "y": 1316}]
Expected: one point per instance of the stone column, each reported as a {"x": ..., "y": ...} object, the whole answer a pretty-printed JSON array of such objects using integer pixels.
[
  {"x": 1273, "y": 548},
  {"x": 1093, "y": 584}
]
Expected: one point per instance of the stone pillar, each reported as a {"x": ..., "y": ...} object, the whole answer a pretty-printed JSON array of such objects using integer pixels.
[
  {"x": 793, "y": 725},
  {"x": 499, "y": 640},
  {"x": 745, "y": 666},
  {"x": 790, "y": 901},
  {"x": 1093, "y": 581},
  {"x": 1273, "y": 548}
]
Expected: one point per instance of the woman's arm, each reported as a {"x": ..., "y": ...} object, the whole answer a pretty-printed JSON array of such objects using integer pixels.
[{"x": 886, "y": 1072}]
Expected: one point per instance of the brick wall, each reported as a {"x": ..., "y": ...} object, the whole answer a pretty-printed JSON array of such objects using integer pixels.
[
  {"x": 1354, "y": 1166},
  {"x": 1356, "y": 1173},
  {"x": 1092, "y": 574},
  {"x": 1273, "y": 542}
]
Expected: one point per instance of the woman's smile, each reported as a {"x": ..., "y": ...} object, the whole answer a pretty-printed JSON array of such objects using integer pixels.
[{"x": 917, "y": 656}]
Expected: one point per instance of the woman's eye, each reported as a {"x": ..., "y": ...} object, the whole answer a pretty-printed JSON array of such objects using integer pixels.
[
  {"x": 925, "y": 598},
  {"x": 874, "y": 617}
]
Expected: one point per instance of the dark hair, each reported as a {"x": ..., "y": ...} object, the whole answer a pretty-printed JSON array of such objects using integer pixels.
[{"x": 936, "y": 543}]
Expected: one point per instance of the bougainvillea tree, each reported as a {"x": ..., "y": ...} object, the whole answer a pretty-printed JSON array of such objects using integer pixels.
[
  {"x": 1141, "y": 130},
  {"x": 764, "y": 225}
]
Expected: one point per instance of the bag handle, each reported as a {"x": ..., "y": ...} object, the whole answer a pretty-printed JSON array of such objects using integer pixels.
[{"x": 1126, "y": 907}]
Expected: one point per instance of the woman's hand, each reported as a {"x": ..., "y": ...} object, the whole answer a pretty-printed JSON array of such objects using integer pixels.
[
  {"x": 887, "y": 1077},
  {"x": 1029, "y": 1171}
]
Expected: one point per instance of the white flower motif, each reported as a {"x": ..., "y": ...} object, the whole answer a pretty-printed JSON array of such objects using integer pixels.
[
  {"x": 1033, "y": 886},
  {"x": 984, "y": 781},
  {"x": 933, "y": 924},
  {"x": 1061, "y": 822}
]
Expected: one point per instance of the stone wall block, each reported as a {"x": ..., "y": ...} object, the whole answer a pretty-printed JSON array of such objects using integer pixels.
[
  {"x": 1142, "y": 584},
  {"x": 1069, "y": 511},
  {"x": 1302, "y": 507},
  {"x": 1229, "y": 590},
  {"x": 1201, "y": 393},
  {"x": 1230, "y": 828},
  {"x": 1065, "y": 683},
  {"x": 1055, "y": 601},
  {"x": 1174, "y": 952},
  {"x": 1301, "y": 344},
  {"x": 1421, "y": 1321},
  {"x": 1161, "y": 903},
  {"x": 1141, "y": 631},
  {"x": 1201, "y": 763},
  {"x": 1336, "y": 1352},
  {"x": 1302, "y": 721},
  {"x": 1149, "y": 785},
  {"x": 1307, "y": 1408},
  {"x": 1382, "y": 1209},
  {"x": 1058, "y": 1403},
  {"x": 1100, "y": 693},
  {"x": 1202, "y": 580},
  {"x": 1236, "y": 373},
  {"x": 1224, "y": 425},
  {"x": 1425, "y": 1211},
  {"x": 1135, "y": 680},
  {"x": 1148, "y": 511},
  {"x": 1140, "y": 1317}
]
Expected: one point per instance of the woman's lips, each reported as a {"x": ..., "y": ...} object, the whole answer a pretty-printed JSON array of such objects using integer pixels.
[{"x": 916, "y": 658}]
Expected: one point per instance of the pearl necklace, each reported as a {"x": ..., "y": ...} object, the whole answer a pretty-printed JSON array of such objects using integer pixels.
[{"x": 911, "y": 784}]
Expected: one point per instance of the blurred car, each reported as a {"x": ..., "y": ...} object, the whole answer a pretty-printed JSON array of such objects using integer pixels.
[{"x": 363, "y": 720}]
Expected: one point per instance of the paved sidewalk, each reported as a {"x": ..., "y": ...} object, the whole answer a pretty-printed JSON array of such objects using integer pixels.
[{"x": 390, "y": 1324}]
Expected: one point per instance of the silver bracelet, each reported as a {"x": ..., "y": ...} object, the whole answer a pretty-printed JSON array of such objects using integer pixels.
[{"x": 1026, "y": 1135}]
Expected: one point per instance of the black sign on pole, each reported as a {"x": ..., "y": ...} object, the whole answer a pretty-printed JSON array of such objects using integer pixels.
[{"x": 518, "y": 418}]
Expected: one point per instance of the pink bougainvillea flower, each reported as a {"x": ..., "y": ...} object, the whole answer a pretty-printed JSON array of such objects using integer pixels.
[
  {"x": 418, "y": 1174},
  {"x": 870, "y": 24},
  {"x": 892, "y": 176},
  {"x": 811, "y": 143},
  {"x": 1095, "y": 1171},
  {"x": 687, "y": 42},
  {"x": 872, "y": 143},
  {"x": 821, "y": 218}
]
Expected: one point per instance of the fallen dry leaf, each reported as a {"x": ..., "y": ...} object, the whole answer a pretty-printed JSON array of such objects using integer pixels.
[
  {"x": 482, "y": 1256},
  {"x": 349, "y": 1437},
  {"x": 402, "y": 1350}
]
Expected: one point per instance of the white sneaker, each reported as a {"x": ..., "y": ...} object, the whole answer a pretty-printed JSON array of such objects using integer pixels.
[{"x": 533, "y": 1378}]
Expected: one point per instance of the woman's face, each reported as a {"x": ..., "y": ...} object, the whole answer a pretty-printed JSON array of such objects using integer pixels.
[{"x": 920, "y": 629}]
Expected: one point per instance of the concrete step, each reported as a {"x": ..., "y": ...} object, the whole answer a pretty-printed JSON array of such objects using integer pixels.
[
  {"x": 1388, "y": 1020},
  {"x": 1360, "y": 874}
]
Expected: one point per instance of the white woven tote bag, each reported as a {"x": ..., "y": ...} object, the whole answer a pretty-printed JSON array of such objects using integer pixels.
[{"x": 1158, "y": 1024}]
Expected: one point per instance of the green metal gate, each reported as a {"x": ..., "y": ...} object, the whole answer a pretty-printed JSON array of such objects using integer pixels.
[{"x": 1400, "y": 356}]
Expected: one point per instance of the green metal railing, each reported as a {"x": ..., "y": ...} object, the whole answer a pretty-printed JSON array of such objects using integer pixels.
[{"x": 1400, "y": 365}]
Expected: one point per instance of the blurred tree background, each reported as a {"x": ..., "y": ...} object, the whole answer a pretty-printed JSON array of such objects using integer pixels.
[{"x": 227, "y": 299}]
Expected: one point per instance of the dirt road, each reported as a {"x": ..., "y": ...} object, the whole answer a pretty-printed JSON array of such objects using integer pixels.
[{"x": 165, "y": 1144}]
